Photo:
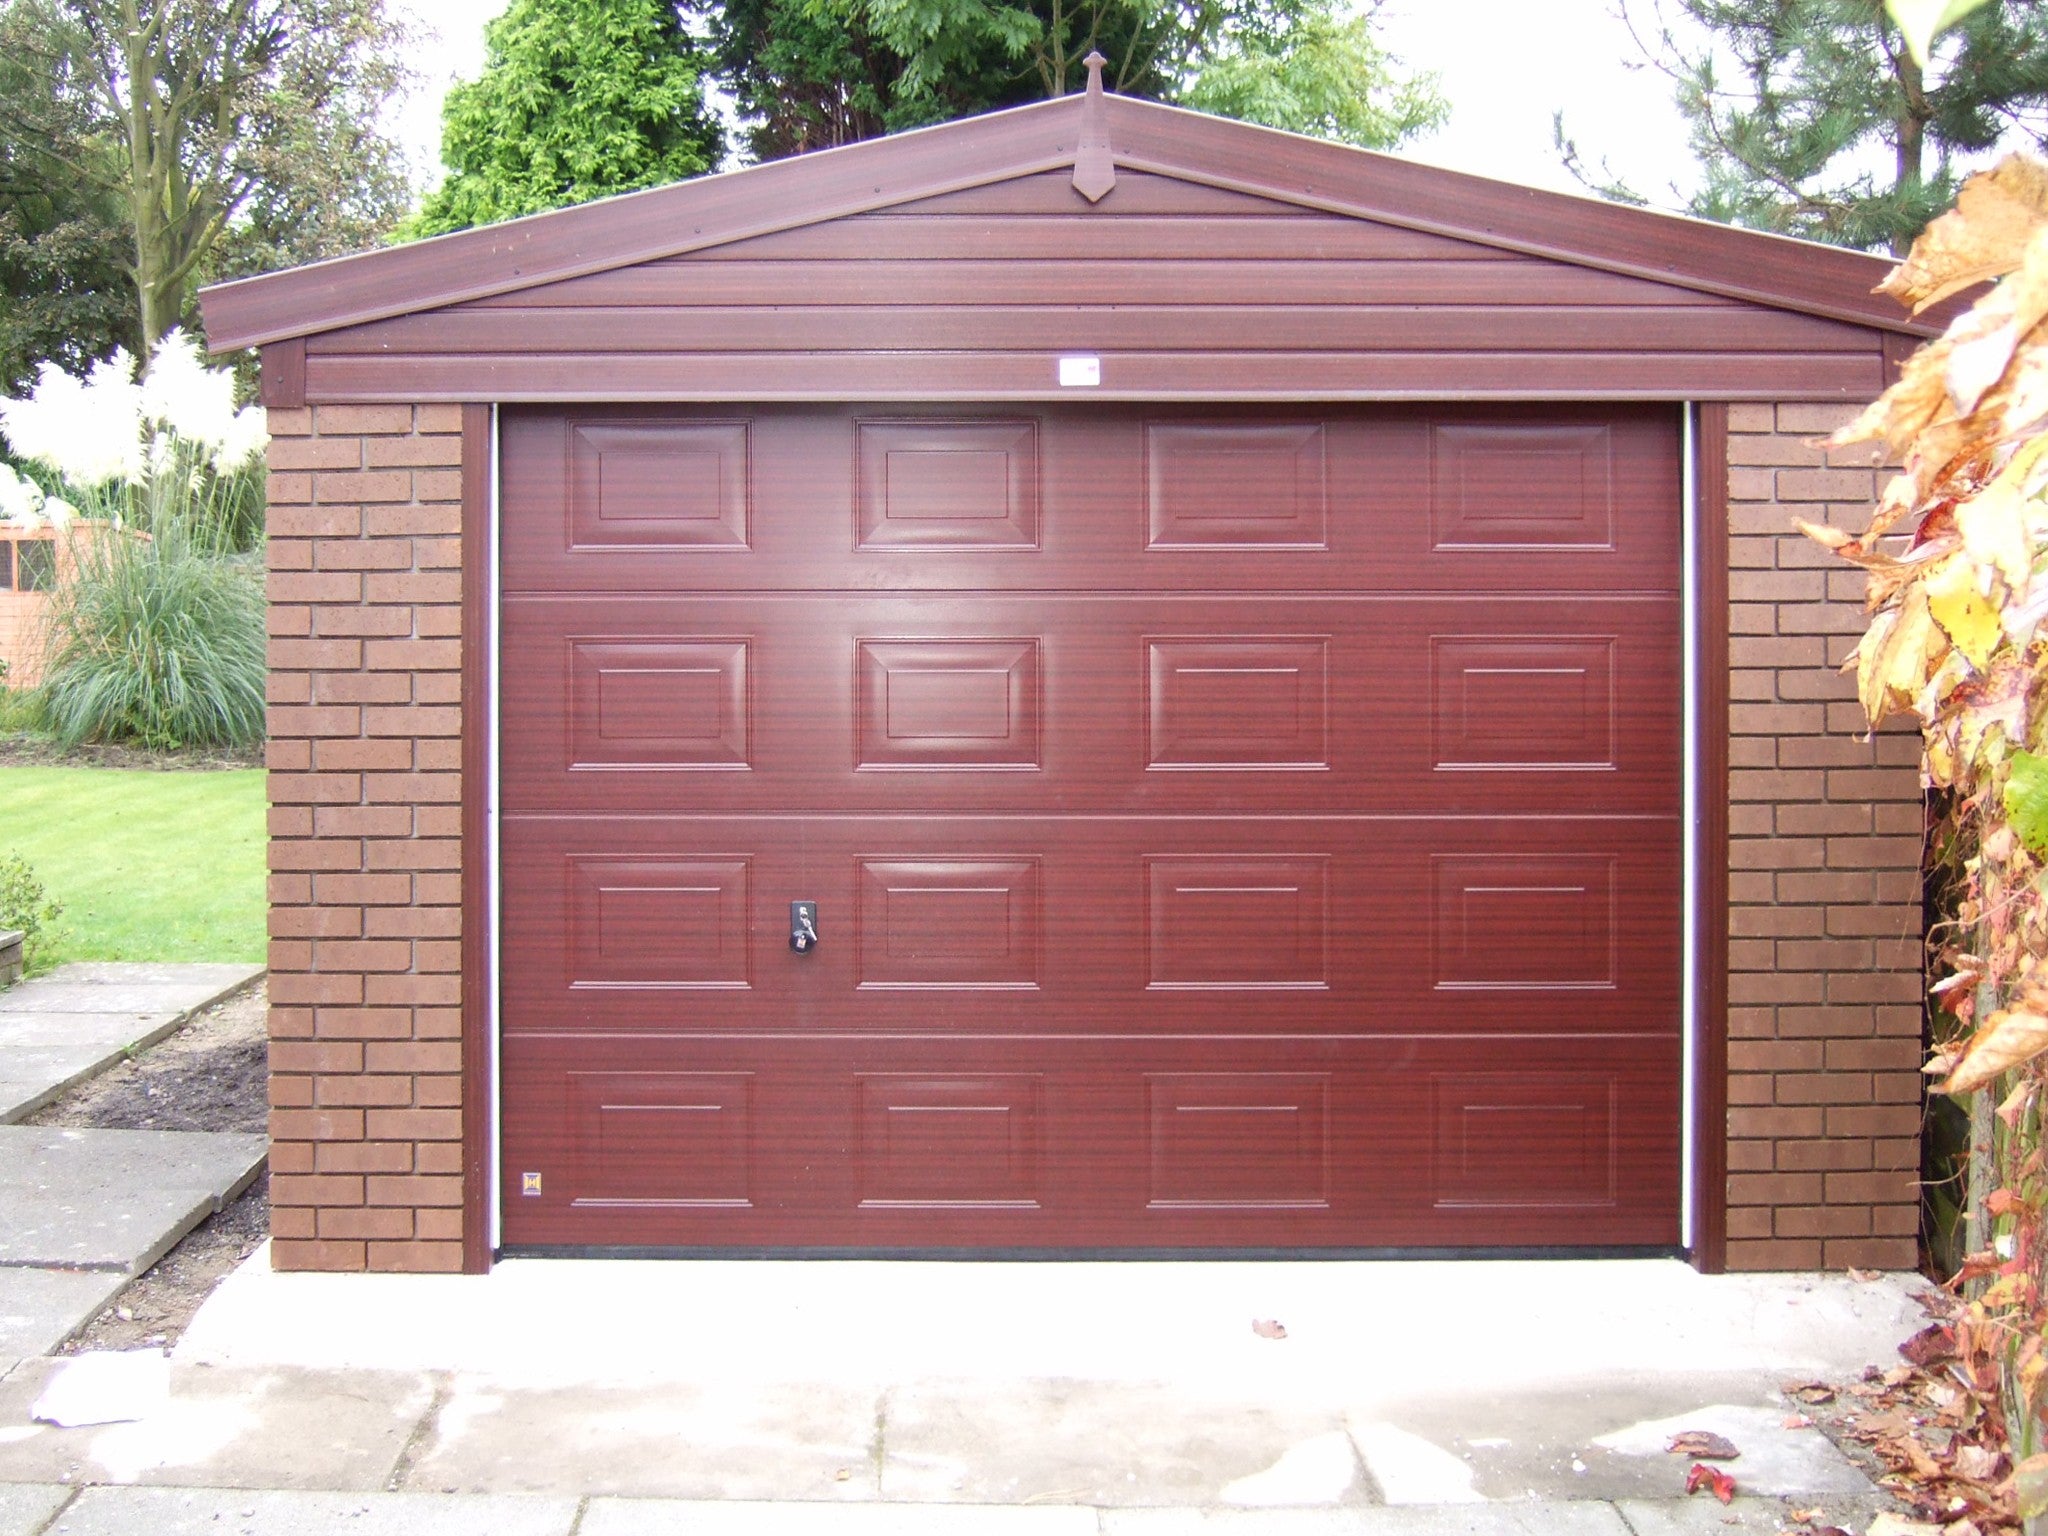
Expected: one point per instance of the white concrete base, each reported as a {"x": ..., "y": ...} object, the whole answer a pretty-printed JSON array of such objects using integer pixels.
[{"x": 1356, "y": 1331}]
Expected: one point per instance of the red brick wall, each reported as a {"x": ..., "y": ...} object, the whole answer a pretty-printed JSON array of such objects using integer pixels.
[
  {"x": 1824, "y": 893},
  {"x": 365, "y": 837}
]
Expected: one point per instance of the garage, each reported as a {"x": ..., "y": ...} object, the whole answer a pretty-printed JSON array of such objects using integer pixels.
[{"x": 1087, "y": 681}]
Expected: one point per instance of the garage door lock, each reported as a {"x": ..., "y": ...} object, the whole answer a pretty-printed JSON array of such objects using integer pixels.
[{"x": 803, "y": 926}]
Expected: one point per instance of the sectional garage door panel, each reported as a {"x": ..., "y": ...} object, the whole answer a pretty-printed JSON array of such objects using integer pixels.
[
  {"x": 1229, "y": 828},
  {"x": 1410, "y": 706},
  {"x": 814, "y": 1139},
  {"x": 1106, "y": 925},
  {"x": 1222, "y": 499}
]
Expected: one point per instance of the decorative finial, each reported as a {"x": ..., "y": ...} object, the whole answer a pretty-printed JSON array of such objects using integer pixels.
[{"x": 1094, "y": 166}]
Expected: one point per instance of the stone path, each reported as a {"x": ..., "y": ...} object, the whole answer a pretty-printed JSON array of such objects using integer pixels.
[
  {"x": 81, "y": 1211},
  {"x": 115, "y": 1511},
  {"x": 74, "y": 1023}
]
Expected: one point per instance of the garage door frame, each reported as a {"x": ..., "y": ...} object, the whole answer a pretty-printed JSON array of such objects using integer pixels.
[{"x": 1703, "y": 801}]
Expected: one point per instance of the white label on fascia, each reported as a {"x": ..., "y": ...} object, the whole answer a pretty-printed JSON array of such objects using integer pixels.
[{"x": 1080, "y": 372}]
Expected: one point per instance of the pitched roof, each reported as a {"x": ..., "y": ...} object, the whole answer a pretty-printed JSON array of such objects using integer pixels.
[{"x": 1768, "y": 270}]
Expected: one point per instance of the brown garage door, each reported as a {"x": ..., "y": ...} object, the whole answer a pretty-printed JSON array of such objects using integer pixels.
[{"x": 1228, "y": 828}]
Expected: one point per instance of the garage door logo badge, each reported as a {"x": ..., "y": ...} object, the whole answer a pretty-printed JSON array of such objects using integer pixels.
[{"x": 529, "y": 1184}]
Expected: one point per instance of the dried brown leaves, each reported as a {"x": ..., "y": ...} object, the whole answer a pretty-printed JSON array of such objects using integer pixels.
[{"x": 1938, "y": 1434}]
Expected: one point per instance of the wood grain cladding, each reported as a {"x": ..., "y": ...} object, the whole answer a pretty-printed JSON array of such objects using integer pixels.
[
  {"x": 1192, "y": 851},
  {"x": 1184, "y": 290}
]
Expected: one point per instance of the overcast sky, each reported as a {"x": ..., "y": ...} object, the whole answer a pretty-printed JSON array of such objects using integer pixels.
[{"x": 1505, "y": 65}]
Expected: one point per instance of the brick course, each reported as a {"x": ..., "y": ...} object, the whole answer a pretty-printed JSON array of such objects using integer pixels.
[
  {"x": 365, "y": 737},
  {"x": 1824, "y": 893}
]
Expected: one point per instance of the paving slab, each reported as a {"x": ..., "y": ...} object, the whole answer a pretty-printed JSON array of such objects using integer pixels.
[
  {"x": 1552, "y": 1519},
  {"x": 25, "y": 1508},
  {"x": 1775, "y": 1461},
  {"x": 1108, "y": 1444},
  {"x": 681, "y": 1440},
  {"x": 1702, "y": 1516},
  {"x": 41, "y": 1308},
  {"x": 227, "y": 1512},
  {"x": 319, "y": 1431},
  {"x": 672, "y": 1517},
  {"x": 46, "y": 1053},
  {"x": 99, "y": 1199},
  {"x": 60, "y": 1029},
  {"x": 222, "y": 977},
  {"x": 48, "y": 995},
  {"x": 1601, "y": 1438}
]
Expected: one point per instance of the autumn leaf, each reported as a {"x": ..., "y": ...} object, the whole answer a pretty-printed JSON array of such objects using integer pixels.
[
  {"x": 1982, "y": 237},
  {"x": 1712, "y": 1478},
  {"x": 1993, "y": 524},
  {"x": 1982, "y": 343},
  {"x": 1965, "y": 615},
  {"x": 1915, "y": 402},
  {"x": 1894, "y": 658},
  {"x": 1704, "y": 1444},
  {"x": 1980, "y": 349},
  {"x": 2024, "y": 394},
  {"x": 2008, "y": 1038},
  {"x": 1834, "y": 540},
  {"x": 1930, "y": 1345},
  {"x": 2026, "y": 800}
]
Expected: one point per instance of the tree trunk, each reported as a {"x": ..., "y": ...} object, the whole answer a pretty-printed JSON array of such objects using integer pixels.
[
  {"x": 1912, "y": 144},
  {"x": 145, "y": 199}
]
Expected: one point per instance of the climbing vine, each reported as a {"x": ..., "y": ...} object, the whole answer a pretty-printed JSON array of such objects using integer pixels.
[{"x": 1957, "y": 559}]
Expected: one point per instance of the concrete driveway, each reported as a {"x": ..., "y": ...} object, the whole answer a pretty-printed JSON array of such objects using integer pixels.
[{"x": 1477, "y": 1396}]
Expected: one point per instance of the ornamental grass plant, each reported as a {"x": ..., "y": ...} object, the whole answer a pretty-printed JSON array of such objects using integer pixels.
[
  {"x": 157, "y": 634},
  {"x": 156, "y": 640}
]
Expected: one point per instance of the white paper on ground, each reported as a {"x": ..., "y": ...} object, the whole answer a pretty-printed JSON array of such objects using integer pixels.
[{"x": 105, "y": 1387}]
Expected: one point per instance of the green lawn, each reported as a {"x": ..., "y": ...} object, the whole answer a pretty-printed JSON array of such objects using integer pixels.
[{"x": 149, "y": 865}]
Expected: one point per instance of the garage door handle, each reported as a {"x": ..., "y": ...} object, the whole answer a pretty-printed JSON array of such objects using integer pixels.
[{"x": 803, "y": 926}]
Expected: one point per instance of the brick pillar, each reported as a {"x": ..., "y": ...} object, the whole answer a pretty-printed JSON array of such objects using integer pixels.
[
  {"x": 1824, "y": 1090},
  {"x": 365, "y": 837}
]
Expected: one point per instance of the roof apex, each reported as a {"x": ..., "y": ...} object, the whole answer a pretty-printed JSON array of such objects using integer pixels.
[{"x": 815, "y": 188}]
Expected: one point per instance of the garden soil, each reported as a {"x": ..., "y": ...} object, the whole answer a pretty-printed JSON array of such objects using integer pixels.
[
  {"x": 35, "y": 752},
  {"x": 209, "y": 1076}
]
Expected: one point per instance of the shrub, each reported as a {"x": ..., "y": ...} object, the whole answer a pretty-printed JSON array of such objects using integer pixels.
[
  {"x": 158, "y": 637},
  {"x": 18, "y": 712},
  {"x": 158, "y": 641},
  {"x": 25, "y": 906}
]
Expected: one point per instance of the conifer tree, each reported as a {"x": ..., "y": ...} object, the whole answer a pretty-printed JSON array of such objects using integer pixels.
[{"x": 1812, "y": 117}]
